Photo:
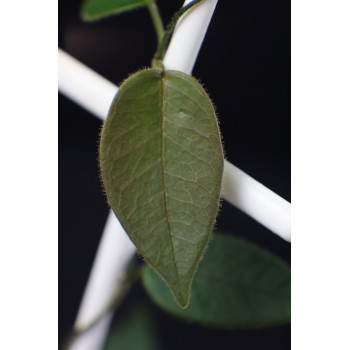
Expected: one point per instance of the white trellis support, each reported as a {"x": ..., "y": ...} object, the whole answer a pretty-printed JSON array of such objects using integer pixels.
[{"x": 95, "y": 93}]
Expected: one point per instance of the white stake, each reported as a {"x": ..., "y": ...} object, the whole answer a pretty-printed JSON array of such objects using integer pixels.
[
  {"x": 114, "y": 253},
  {"x": 256, "y": 200},
  {"x": 106, "y": 277},
  {"x": 82, "y": 85}
]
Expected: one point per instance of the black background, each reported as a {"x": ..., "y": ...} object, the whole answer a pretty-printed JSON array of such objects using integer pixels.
[{"x": 244, "y": 64}]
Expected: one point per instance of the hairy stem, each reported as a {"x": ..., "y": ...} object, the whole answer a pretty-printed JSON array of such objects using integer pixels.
[
  {"x": 157, "y": 20},
  {"x": 163, "y": 45}
]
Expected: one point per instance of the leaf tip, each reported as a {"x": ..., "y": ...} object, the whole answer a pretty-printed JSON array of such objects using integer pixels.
[
  {"x": 180, "y": 292},
  {"x": 183, "y": 299}
]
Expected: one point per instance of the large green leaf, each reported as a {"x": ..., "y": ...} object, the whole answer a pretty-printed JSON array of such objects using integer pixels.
[
  {"x": 161, "y": 163},
  {"x": 237, "y": 285},
  {"x": 136, "y": 330},
  {"x": 94, "y": 9}
]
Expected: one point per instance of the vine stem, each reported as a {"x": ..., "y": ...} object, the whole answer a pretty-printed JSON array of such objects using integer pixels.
[
  {"x": 163, "y": 45},
  {"x": 157, "y": 20}
]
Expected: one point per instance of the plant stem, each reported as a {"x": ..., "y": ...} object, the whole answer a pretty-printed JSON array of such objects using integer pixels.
[
  {"x": 163, "y": 45},
  {"x": 157, "y": 20}
]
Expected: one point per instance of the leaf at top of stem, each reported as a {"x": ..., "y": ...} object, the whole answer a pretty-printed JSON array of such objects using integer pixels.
[
  {"x": 95, "y": 9},
  {"x": 161, "y": 164}
]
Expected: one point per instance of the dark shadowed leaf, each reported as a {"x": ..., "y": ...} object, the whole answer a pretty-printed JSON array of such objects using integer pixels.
[
  {"x": 135, "y": 331},
  {"x": 95, "y": 9},
  {"x": 161, "y": 163},
  {"x": 238, "y": 285}
]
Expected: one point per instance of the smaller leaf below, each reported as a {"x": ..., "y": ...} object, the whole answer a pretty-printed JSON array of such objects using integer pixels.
[
  {"x": 95, "y": 9},
  {"x": 238, "y": 285}
]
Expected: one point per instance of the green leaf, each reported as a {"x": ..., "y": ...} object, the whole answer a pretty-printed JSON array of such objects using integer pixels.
[
  {"x": 135, "y": 330},
  {"x": 237, "y": 285},
  {"x": 95, "y": 9},
  {"x": 161, "y": 164}
]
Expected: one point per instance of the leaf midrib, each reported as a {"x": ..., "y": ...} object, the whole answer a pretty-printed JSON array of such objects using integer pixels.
[{"x": 162, "y": 162}]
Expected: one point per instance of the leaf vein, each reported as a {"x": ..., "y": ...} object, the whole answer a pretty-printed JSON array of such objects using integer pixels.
[
  {"x": 150, "y": 167},
  {"x": 162, "y": 96},
  {"x": 186, "y": 150},
  {"x": 140, "y": 145}
]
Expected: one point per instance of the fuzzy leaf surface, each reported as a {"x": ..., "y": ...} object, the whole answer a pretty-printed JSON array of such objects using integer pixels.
[
  {"x": 161, "y": 164},
  {"x": 238, "y": 285},
  {"x": 95, "y": 9}
]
